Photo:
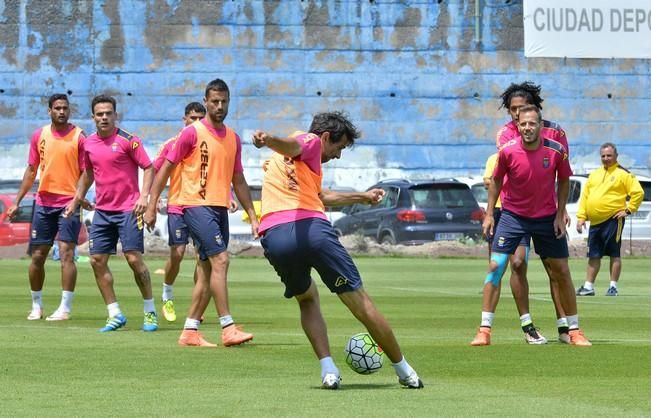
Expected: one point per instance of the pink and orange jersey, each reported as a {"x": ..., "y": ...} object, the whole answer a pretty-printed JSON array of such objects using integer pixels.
[
  {"x": 291, "y": 186},
  {"x": 60, "y": 158},
  {"x": 115, "y": 161},
  {"x": 175, "y": 178},
  {"x": 549, "y": 130},
  {"x": 531, "y": 191},
  {"x": 207, "y": 158}
]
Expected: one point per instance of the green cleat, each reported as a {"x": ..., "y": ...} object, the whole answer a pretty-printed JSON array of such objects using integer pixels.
[{"x": 168, "y": 311}]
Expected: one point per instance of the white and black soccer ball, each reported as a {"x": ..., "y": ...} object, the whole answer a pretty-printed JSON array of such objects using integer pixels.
[{"x": 363, "y": 355}]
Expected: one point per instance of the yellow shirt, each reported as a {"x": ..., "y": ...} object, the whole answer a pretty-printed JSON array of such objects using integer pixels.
[
  {"x": 605, "y": 194},
  {"x": 488, "y": 174}
]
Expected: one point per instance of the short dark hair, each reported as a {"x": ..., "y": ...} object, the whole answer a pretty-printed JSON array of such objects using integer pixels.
[
  {"x": 609, "y": 145},
  {"x": 55, "y": 97},
  {"x": 102, "y": 98},
  {"x": 527, "y": 90},
  {"x": 338, "y": 124},
  {"x": 217, "y": 85},
  {"x": 194, "y": 107},
  {"x": 531, "y": 108}
]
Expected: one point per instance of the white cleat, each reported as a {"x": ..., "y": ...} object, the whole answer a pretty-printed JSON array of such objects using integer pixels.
[
  {"x": 35, "y": 314},
  {"x": 331, "y": 381},
  {"x": 58, "y": 316},
  {"x": 412, "y": 381}
]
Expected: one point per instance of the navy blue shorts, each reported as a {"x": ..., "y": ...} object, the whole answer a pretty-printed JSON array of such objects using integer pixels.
[
  {"x": 48, "y": 221},
  {"x": 109, "y": 226},
  {"x": 177, "y": 230},
  {"x": 294, "y": 248},
  {"x": 605, "y": 238},
  {"x": 208, "y": 226},
  {"x": 512, "y": 228},
  {"x": 497, "y": 213}
]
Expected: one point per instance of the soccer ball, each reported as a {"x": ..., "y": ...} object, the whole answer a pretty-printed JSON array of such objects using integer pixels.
[{"x": 363, "y": 355}]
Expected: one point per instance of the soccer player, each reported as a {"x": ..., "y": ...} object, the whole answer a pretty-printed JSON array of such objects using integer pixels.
[
  {"x": 57, "y": 150},
  {"x": 113, "y": 157},
  {"x": 297, "y": 236},
  {"x": 533, "y": 204},
  {"x": 610, "y": 195},
  {"x": 513, "y": 98},
  {"x": 208, "y": 156}
]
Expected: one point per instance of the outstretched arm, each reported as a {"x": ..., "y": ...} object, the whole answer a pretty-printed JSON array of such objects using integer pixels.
[
  {"x": 333, "y": 198},
  {"x": 285, "y": 146}
]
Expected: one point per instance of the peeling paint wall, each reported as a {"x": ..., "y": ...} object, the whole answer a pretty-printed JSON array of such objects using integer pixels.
[{"x": 416, "y": 76}]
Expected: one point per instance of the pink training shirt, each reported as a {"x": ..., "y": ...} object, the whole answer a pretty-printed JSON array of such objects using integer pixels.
[
  {"x": 158, "y": 163},
  {"x": 44, "y": 198},
  {"x": 532, "y": 177},
  {"x": 115, "y": 161},
  {"x": 311, "y": 156}
]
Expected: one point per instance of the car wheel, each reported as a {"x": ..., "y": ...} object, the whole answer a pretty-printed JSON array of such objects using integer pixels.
[{"x": 388, "y": 239}]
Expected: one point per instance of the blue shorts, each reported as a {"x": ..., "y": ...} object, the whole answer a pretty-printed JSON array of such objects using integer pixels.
[
  {"x": 48, "y": 221},
  {"x": 208, "y": 226},
  {"x": 109, "y": 226},
  {"x": 606, "y": 238},
  {"x": 497, "y": 213},
  {"x": 294, "y": 248},
  {"x": 177, "y": 230},
  {"x": 512, "y": 228}
]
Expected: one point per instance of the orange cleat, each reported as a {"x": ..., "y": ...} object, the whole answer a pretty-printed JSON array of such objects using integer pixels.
[
  {"x": 193, "y": 338},
  {"x": 483, "y": 337},
  {"x": 232, "y": 335},
  {"x": 577, "y": 338}
]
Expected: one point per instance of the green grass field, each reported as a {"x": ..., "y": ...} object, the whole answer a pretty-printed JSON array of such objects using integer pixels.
[{"x": 69, "y": 369}]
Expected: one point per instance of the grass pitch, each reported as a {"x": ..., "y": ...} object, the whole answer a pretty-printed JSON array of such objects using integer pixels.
[{"x": 69, "y": 369}]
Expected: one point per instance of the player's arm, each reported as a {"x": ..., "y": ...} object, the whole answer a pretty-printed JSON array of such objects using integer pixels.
[
  {"x": 147, "y": 179},
  {"x": 334, "y": 198},
  {"x": 563, "y": 192},
  {"x": 29, "y": 176},
  {"x": 494, "y": 189},
  {"x": 582, "y": 212},
  {"x": 289, "y": 147},
  {"x": 241, "y": 189},
  {"x": 636, "y": 193},
  {"x": 85, "y": 181},
  {"x": 157, "y": 185}
]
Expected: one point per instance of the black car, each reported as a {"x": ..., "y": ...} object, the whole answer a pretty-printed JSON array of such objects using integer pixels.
[{"x": 416, "y": 213}]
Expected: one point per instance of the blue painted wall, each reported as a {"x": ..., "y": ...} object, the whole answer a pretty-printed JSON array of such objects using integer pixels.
[{"x": 421, "y": 78}]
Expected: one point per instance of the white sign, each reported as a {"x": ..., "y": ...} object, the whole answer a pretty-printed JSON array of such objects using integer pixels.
[{"x": 587, "y": 29}]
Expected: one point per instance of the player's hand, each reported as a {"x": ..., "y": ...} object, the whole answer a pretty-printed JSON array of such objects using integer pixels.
[
  {"x": 254, "y": 228},
  {"x": 12, "y": 211},
  {"x": 580, "y": 223},
  {"x": 86, "y": 205},
  {"x": 567, "y": 219},
  {"x": 559, "y": 226},
  {"x": 260, "y": 139},
  {"x": 149, "y": 218},
  {"x": 621, "y": 214},
  {"x": 487, "y": 226},
  {"x": 374, "y": 196},
  {"x": 141, "y": 205},
  {"x": 232, "y": 206},
  {"x": 70, "y": 208}
]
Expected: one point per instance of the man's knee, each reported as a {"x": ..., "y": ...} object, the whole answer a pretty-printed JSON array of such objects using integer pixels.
[{"x": 496, "y": 268}]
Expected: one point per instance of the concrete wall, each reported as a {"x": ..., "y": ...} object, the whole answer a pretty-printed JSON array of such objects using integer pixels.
[{"x": 421, "y": 78}]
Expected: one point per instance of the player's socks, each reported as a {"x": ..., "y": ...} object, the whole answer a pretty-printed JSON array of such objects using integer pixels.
[
  {"x": 191, "y": 323},
  {"x": 328, "y": 366},
  {"x": 402, "y": 368},
  {"x": 587, "y": 285},
  {"x": 487, "y": 319},
  {"x": 168, "y": 292},
  {"x": 562, "y": 325},
  {"x": 148, "y": 305},
  {"x": 573, "y": 321},
  {"x": 66, "y": 301},
  {"x": 113, "y": 309},
  {"x": 613, "y": 284},
  {"x": 525, "y": 320},
  {"x": 225, "y": 321},
  {"x": 37, "y": 299}
]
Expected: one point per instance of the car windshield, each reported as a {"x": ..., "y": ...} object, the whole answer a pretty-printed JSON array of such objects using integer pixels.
[{"x": 441, "y": 196}]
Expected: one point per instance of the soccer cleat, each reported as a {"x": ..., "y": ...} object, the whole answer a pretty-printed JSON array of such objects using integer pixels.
[
  {"x": 330, "y": 381},
  {"x": 412, "y": 381},
  {"x": 577, "y": 338},
  {"x": 35, "y": 314},
  {"x": 582, "y": 291},
  {"x": 483, "y": 337},
  {"x": 232, "y": 335},
  {"x": 150, "y": 323},
  {"x": 612, "y": 291},
  {"x": 532, "y": 336},
  {"x": 564, "y": 338},
  {"x": 58, "y": 315},
  {"x": 114, "y": 323},
  {"x": 168, "y": 310},
  {"x": 193, "y": 338}
]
